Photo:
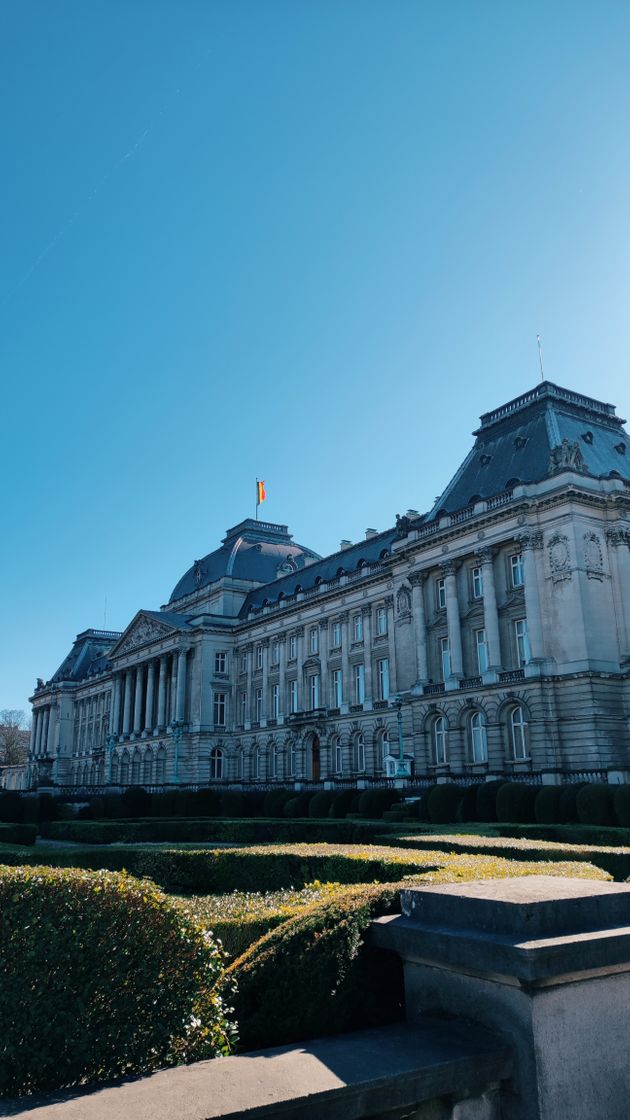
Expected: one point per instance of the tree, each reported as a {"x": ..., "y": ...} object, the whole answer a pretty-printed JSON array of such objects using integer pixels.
[{"x": 15, "y": 736}]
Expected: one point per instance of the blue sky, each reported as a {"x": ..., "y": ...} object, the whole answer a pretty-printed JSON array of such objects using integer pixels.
[{"x": 305, "y": 241}]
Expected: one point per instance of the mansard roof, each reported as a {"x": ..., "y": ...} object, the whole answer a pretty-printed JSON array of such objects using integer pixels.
[
  {"x": 89, "y": 650},
  {"x": 256, "y": 551},
  {"x": 533, "y": 437},
  {"x": 149, "y": 626}
]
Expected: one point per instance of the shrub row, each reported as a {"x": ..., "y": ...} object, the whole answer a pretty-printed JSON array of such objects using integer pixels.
[
  {"x": 18, "y": 834},
  {"x": 245, "y": 831},
  {"x": 100, "y": 976},
  {"x": 522, "y": 803}
]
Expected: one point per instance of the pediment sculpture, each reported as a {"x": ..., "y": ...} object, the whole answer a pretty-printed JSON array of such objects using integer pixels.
[{"x": 145, "y": 630}]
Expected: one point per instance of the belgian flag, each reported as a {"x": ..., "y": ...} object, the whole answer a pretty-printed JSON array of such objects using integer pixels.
[{"x": 261, "y": 493}]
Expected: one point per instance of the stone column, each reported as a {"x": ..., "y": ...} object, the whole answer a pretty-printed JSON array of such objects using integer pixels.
[
  {"x": 50, "y": 737},
  {"x": 391, "y": 645},
  {"x": 530, "y": 543},
  {"x": 452, "y": 619},
  {"x": 417, "y": 579},
  {"x": 37, "y": 730},
  {"x": 137, "y": 708},
  {"x": 161, "y": 711},
  {"x": 346, "y": 683},
  {"x": 300, "y": 667},
  {"x": 323, "y": 662},
  {"x": 126, "y": 730},
  {"x": 367, "y": 651},
  {"x": 181, "y": 685},
  {"x": 115, "y": 712},
  {"x": 44, "y": 738},
  {"x": 249, "y": 650},
  {"x": 148, "y": 710},
  {"x": 619, "y": 555},
  {"x": 173, "y": 690},
  {"x": 265, "y": 679},
  {"x": 490, "y": 612},
  {"x": 282, "y": 678}
]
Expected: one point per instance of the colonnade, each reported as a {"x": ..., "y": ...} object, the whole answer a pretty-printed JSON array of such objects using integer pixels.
[
  {"x": 44, "y": 730},
  {"x": 149, "y": 697}
]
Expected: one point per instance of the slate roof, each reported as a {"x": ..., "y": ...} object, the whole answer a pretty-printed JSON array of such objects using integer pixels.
[
  {"x": 514, "y": 444},
  {"x": 89, "y": 651},
  {"x": 252, "y": 550}
]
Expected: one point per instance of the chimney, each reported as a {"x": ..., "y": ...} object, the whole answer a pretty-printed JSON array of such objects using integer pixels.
[
  {"x": 371, "y": 533},
  {"x": 345, "y": 544}
]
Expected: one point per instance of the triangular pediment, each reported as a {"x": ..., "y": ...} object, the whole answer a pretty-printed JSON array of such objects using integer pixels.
[{"x": 142, "y": 630}]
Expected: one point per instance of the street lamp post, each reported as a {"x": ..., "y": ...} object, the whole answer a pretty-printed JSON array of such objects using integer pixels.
[
  {"x": 401, "y": 771},
  {"x": 177, "y": 728}
]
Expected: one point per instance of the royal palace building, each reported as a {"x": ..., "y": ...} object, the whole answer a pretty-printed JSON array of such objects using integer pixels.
[{"x": 489, "y": 636}]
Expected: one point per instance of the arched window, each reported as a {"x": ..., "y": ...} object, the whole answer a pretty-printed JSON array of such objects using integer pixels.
[
  {"x": 277, "y": 760},
  {"x": 115, "y": 769},
  {"x": 478, "y": 738},
  {"x": 518, "y": 732},
  {"x": 238, "y": 764},
  {"x": 359, "y": 752},
  {"x": 384, "y": 747},
  {"x": 160, "y": 766},
  {"x": 135, "y": 768},
  {"x": 439, "y": 741},
  {"x": 291, "y": 760},
  {"x": 100, "y": 773},
  {"x": 337, "y": 754},
  {"x": 260, "y": 762},
  {"x": 124, "y": 769},
  {"x": 147, "y": 768},
  {"x": 216, "y": 764}
]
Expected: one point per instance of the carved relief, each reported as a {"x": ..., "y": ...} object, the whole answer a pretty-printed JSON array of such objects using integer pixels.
[
  {"x": 530, "y": 539},
  {"x": 567, "y": 456},
  {"x": 593, "y": 556},
  {"x": 403, "y": 601},
  {"x": 145, "y": 630},
  {"x": 559, "y": 557}
]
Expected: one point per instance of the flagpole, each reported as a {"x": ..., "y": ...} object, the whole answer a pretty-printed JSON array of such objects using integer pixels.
[
  {"x": 257, "y": 499},
  {"x": 542, "y": 372}
]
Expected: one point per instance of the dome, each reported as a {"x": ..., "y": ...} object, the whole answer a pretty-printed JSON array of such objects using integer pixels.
[{"x": 256, "y": 551}]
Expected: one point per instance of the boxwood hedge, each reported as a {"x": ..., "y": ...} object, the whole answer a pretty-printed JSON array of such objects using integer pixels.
[{"x": 100, "y": 976}]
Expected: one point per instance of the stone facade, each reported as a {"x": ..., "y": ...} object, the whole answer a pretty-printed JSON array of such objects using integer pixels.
[{"x": 493, "y": 633}]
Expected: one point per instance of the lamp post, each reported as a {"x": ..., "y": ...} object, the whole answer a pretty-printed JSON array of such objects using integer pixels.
[
  {"x": 177, "y": 728},
  {"x": 110, "y": 741},
  {"x": 401, "y": 771}
]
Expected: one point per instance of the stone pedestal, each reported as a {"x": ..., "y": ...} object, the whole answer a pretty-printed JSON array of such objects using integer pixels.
[{"x": 545, "y": 962}]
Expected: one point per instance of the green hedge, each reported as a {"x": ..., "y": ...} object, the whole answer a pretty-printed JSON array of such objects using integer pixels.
[
  {"x": 248, "y": 831},
  {"x": 315, "y": 975},
  {"x": 515, "y": 802},
  {"x": 18, "y": 834},
  {"x": 443, "y": 803},
  {"x": 595, "y": 804},
  {"x": 100, "y": 976}
]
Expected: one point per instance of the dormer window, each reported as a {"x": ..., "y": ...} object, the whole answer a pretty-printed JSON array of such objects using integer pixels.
[
  {"x": 587, "y": 437},
  {"x": 520, "y": 441},
  {"x": 620, "y": 448},
  {"x": 485, "y": 459}
]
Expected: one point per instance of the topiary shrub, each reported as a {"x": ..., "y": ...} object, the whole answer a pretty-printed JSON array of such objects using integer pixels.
[
  {"x": 275, "y": 801},
  {"x": 547, "y": 805},
  {"x": 487, "y": 800},
  {"x": 341, "y": 804},
  {"x": 203, "y": 803},
  {"x": 11, "y": 806},
  {"x": 118, "y": 980},
  {"x": 443, "y": 803},
  {"x": 594, "y": 804},
  {"x": 18, "y": 834},
  {"x": 374, "y": 802},
  {"x": 232, "y": 803},
  {"x": 621, "y": 805},
  {"x": 515, "y": 802},
  {"x": 136, "y": 802},
  {"x": 297, "y": 806},
  {"x": 319, "y": 804},
  {"x": 315, "y": 975},
  {"x": 568, "y": 802},
  {"x": 468, "y": 806}
]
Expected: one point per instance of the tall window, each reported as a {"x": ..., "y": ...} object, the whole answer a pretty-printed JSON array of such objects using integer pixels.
[
  {"x": 314, "y": 689},
  {"x": 260, "y": 761},
  {"x": 337, "y": 685},
  {"x": 259, "y": 657},
  {"x": 439, "y": 737},
  {"x": 216, "y": 764},
  {"x": 516, "y": 570},
  {"x": 293, "y": 696},
  {"x": 243, "y": 707},
  {"x": 275, "y": 653},
  {"x": 478, "y": 738},
  {"x": 259, "y": 704},
  {"x": 160, "y": 766},
  {"x": 440, "y": 594},
  {"x": 359, "y": 684},
  {"x": 292, "y": 647},
  {"x": 477, "y": 583},
  {"x": 291, "y": 759},
  {"x": 275, "y": 700},
  {"x": 523, "y": 653},
  {"x": 243, "y": 663},
  {"x": 219, "y": 709},
  {"x": 445, "y": 658},
  {"x": 312, "y": 640},
  {"x": 482, "y": 650},
  {"x": 518, "y": 732},
  {"x": 385, "y": 748},
  {"x": 383, "y": 678},
  {"x": 359, "y": 752},
  {"x": 338, "y": 755},
  {"x": 336, "y": 635},
  {"x": 357, "y": 627},
  {"x": 381, "y": 620},
  {"x": 220, "y": 661},
  {"x": 238, "y": 763},
  {"x": 277, "y": 760}
]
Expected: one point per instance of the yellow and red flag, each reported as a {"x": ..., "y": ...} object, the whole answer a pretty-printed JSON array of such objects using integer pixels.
[{"x": 261, "y": 493}]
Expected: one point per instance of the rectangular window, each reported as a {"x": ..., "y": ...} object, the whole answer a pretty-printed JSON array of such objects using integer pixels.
[
  {"x": 338, "y": 756},
  {"x": 383, "y": 678},
  {"x": 259, "y": 704},
  {"x": 440, "y": 594},
  {"x": 243, "y": 663},
  {"x": 359, "y": 684},
  {"x": 381, "y": 620},
  {"x": 220, "y": 662},
  {"x": 336, "y": 635},
  {"x": 243, "y": 707},
  {"x": 275, "y": 700},
  {"x": 337, "y": 683},
  {"x": 259, "y": 657},
  {"x": 516, "y": 570},
  {"x": 314, "y": 687},
  {"x": 445, "y": 657},
  {"x": 357, "y": 627},
  {"x": 293, "y": 696},
  {"x": 477, "y": 583},
  {"x": 219, "y": 709},
  {"x": 523, "y": 653},
  {"x": 292, "y": 647},
  {"x": 482, "y": 650},
  {"x": 275, "y": 653},
  {"x": 312, "y": 640}
]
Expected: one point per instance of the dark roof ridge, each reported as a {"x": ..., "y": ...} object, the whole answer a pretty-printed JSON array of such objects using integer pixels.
[{"x": 549, "y": 391}]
